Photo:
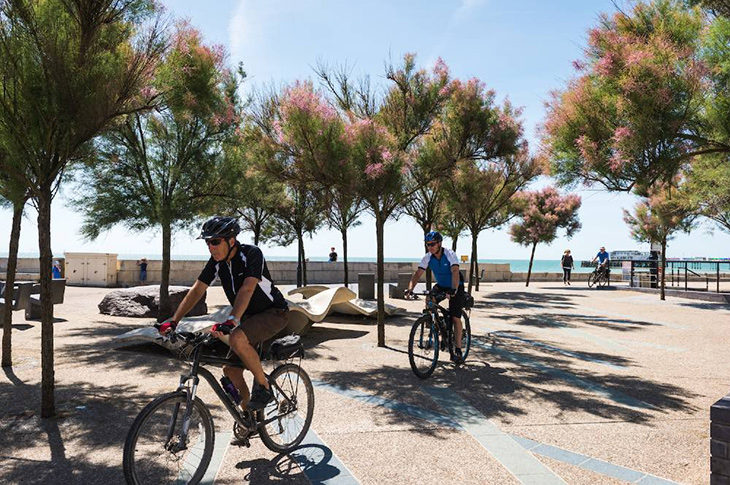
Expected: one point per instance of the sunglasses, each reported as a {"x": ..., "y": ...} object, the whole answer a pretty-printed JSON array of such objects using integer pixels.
[
  {"x": 431, "y": 244},
  {"x": 213, "y": 242}
]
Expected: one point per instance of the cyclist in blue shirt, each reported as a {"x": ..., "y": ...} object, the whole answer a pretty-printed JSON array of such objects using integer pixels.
[
  {"x": 603, "y": 260},
  {"x": 445, "y": 267}
]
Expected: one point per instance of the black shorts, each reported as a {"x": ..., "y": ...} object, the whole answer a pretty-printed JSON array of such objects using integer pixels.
[{"x": 456, "y": 302}]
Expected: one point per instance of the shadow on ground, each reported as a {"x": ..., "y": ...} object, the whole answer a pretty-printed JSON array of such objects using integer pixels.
[{"x": 89, "y": 417}]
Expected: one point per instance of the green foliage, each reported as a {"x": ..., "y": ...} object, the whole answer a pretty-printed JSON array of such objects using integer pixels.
[
  {"x": 708, "y": 186},
  {"x": 664, "y": 211},
  {"x": 162, "y": 168},
  {"x": 630, "y": 116},
  {"x": 67, "y": 69}
]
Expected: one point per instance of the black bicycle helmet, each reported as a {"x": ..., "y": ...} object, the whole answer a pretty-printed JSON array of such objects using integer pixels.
[
  {"x": 223, "y": 227},
  {"x": 433, "y": 236}
]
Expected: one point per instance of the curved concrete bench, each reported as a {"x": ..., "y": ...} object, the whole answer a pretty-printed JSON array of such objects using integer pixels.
[{"x": 304, "y": 313}]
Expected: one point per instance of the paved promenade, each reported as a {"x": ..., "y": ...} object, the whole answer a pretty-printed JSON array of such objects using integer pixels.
[{"x": 563, "y": 385}]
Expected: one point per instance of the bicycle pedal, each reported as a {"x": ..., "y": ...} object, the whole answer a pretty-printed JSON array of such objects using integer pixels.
[{"x": 242, "y": 442}]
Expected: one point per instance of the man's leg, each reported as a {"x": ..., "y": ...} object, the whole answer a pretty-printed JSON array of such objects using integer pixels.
[
  {"x": 235, "y": 374},
  {"x": 458, "y": 331},
  {"x": 243, "y": 349}
]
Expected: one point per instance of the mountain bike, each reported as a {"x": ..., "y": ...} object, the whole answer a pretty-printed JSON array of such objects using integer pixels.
[
  {"x": 599, "y": 277},
  {"x": 433, "y": 332},
  {"x": 172, "y": 438}
]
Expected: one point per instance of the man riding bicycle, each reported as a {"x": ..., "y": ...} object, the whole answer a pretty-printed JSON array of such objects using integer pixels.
[
  {"x": 445, "y": 266},
  {"x": 603, "y": 260},
  {"x": 259, "y": 309}
]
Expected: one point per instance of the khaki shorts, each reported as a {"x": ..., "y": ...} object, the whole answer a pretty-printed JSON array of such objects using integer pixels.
[{"x": 265, "y": 325}]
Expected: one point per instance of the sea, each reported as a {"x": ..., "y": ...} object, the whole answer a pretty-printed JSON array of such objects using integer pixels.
[{"x": 516, "y": 265}]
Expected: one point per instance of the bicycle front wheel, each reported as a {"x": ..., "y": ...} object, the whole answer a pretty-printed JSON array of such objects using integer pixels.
[
  {"x": 155, "y": 453},
  {"x": 288, "y": 417},
  {"x": 423, "y": 347},
  {"x": 592, "y": 279}
]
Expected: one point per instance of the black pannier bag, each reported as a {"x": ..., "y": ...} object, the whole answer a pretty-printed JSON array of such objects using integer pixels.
[
  {"x": 468, "y": 301},
  {"x": 287, "y": 347}
]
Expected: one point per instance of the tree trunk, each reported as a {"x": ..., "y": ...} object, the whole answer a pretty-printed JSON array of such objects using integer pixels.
[
  {"x": 379, "y": 229},
  {"x": 476, "y": 264},
  {"x": 299, "y": 265},
  {"x": 344, "y": 255},
  {"x": 304, "y": 263},
  {"x": 426, "y": 229},
  {"x": 256, "y": 234},
  {"x": 662, "y": 296},
  {"x": 7, "y": 360},
  {"x": 529, "y": 268},
  {"x": 471, "y": 263},
  {"x": 453, "y": 244},
  {"x": 48, "y": 400},
  {"x": 165, "y": 311}
]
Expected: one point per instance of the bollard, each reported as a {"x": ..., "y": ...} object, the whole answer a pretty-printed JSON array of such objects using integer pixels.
[
  {"x": 720, "y": 442},
  {"x": 366, "y": 286}
]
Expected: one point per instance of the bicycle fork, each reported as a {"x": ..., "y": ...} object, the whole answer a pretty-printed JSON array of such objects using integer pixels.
[{"x": 190, "y": 400}]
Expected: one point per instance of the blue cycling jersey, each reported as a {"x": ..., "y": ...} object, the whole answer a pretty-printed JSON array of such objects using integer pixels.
[
  {"x": 441, "y": 267},
  {"x": 602, "y": 256}
]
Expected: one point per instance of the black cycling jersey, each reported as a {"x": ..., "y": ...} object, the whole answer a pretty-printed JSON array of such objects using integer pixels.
[{"x": 248, "y": 261}]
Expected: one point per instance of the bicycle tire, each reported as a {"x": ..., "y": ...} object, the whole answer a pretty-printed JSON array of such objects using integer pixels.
[
  {"x": 603, "y": 282},
  {"x": 465, "y": 336},
  {"x": 133, "y": 464},
  {"x": 592, "y": 278},
  {"x": 423, "y": 328},
  {"x": 286, "y": 418}
]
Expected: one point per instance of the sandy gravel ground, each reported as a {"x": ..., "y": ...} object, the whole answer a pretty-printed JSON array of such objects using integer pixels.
[{"x": 653, "y": 368}]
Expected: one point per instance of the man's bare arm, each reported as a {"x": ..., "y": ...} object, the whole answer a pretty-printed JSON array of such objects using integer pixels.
[{"x": 414, "y": 279}]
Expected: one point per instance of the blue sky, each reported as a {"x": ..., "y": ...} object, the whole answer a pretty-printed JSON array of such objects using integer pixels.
[{"x": 522, "y": 49}]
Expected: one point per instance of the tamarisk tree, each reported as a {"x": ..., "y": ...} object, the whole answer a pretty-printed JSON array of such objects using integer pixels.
[
  {"x": 159, "y": 169},
  {"x": 67, "y": 70},
  {"x": 542, "y": 213},
  {"x": 663, "y": 212}
]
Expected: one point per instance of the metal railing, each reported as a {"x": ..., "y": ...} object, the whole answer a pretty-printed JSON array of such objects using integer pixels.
[{"x": 679, "y": 275}]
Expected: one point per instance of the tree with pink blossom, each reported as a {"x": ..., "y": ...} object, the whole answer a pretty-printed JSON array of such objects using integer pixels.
[
  {"x": 159, "y": 168},
  {"x": 383, "y": 137},
  {"x": 311, "y": 150},
  {"x": 485, "y": 141},
  {"x": 664, "y": 211},
  {"x": 543, "y": 213},
  {"x": 631, "y": 115}
]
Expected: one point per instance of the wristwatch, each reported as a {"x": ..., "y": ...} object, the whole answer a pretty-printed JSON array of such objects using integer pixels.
[{"x": 234, "y": 319}]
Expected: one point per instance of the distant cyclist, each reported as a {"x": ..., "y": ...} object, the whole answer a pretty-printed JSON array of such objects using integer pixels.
[
  {"x": 444, "y": 265},
  {"x": 603, "y": 260},
  {"x": 259, "y": 309}
]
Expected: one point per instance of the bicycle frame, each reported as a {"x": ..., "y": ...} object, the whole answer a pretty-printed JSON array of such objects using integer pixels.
[{"x": 197, "y": 369}]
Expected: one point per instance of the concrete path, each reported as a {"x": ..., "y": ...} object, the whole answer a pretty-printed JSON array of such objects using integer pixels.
[{"x": 563, "y": 385}]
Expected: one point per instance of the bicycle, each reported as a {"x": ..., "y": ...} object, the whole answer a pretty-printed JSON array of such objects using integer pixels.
[
  {"x": 172, "y": 438},
  {"x": 599, "y": 277},
  {"x": 433, "y": 332}
]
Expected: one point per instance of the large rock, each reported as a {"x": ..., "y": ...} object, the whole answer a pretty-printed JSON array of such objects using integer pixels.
[{"x": 144, "y": 301}]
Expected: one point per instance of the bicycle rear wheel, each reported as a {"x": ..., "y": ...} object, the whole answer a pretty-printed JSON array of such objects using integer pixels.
[
  {"x": 465, "y": 336},
  {"x": 288, "y": 417},
  {"x": 423, "y": 347},
  {"x": 153, "y": 452}
]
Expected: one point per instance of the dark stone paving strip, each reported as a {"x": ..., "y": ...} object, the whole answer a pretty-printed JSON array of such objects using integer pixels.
[
  {"x": 320, "y": 464},
  {"x": 588, "y": 463},
  {"x": 518, "y": 461},
  {"x": 565, "y": 456}
]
